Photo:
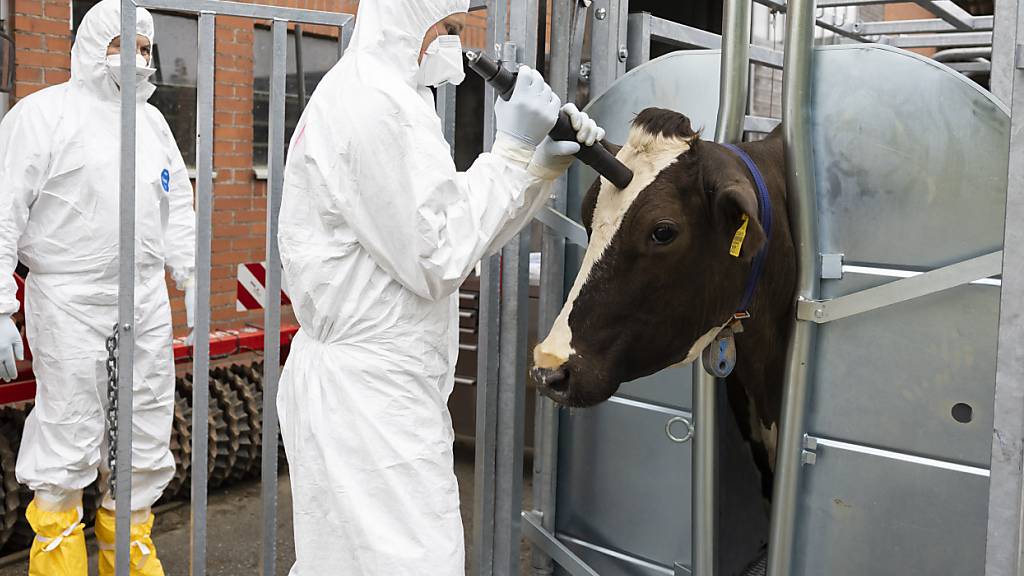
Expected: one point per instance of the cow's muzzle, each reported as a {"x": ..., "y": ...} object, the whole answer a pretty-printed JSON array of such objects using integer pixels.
[{"x": 553, "y": 383}]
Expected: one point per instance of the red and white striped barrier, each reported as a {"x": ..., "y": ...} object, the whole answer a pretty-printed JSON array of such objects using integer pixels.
[{"x": 252, "y": 287}]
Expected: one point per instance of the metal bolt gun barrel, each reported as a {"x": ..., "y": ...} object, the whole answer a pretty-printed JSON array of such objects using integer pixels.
[{"x": 597, "y": 156}]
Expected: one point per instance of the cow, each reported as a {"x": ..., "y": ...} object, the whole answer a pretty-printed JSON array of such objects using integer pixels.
[{"x": 667, "y": 268}]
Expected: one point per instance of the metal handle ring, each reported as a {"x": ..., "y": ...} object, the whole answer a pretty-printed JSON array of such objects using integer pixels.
[{"x": 679, "y": 439}]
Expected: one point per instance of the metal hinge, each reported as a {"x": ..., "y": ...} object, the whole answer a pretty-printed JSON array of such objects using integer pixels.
[
  {"x": 808, "y": 456},
  {"x": 1018, "y": 61},
  {"x": 832, "y": 266}
]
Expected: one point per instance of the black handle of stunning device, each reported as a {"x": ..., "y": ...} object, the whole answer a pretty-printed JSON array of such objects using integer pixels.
[{"x": 597, "y": 156}]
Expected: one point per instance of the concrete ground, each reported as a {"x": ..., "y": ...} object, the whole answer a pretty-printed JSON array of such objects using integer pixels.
[{"x": 233, "y": 544}]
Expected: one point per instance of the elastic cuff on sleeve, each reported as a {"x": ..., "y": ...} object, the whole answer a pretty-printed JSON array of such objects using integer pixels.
[{"x": 513, "y": 149}]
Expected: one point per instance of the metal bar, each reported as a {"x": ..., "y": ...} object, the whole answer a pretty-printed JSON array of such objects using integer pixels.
[
  {"x": 1004, "y": 42},
  {"x": 803, "y": 213},
  {"x": 898, "y": 291},
  {"x": 760, "y": 124},
  {"x": 704, "y": 497},
  {"x": 445, "y": 104},
  {"x": 485, "y": 483},
  {"x": 552, "y": 282},
  {"x": 735, "y": 71},
  {"x": 344, "y": 38},
  {"x": 560, "y": 553},
  {"x": 941, "y": 40},
  {"x": 639, "y": 39},
  {"x": 963, "y": 54},
  {"x": 300, "y": 68},
  {"x": 950, "y": 12},
  {"x": 204, "y": 234},
  {"x": 930, "y": 25},
  {"x": 272, "y": 312},
  {"x": 971, "y": 68},
  {"x": 579, "y": 27},
  {"x": 486, "y": 419},
  {"x": 564, "y": 227},
  {"x": 257, "y": 11},
  {"x": 607, "y": 44},
  {"x": 780, "y": 6},
  {"x": 676, "y": 34},
  {"x": 126, "y": 293},
  {"x": 1005, "y": 552},
  {"x": 523, "y": 16},
  {"x": 841, "y": 3},
  {"x": 735, "y": 78},
  {"x": 511, "y": 403}
]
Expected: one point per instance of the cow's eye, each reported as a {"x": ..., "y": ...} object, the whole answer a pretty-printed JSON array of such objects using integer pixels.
[{"x": 664, "y": 233}]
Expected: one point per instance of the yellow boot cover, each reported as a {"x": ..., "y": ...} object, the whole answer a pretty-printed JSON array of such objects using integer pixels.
[
  {"x": 143, "y": 552},
  {"x": 59, "y": 547}
]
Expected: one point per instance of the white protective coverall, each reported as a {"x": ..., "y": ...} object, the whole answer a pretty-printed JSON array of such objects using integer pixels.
[
  {"x": 60, "y": 170},
  {"x": 377, "y": 233}
]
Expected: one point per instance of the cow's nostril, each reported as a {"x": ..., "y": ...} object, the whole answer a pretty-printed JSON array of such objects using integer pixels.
[{"x": 555, "y": 380}]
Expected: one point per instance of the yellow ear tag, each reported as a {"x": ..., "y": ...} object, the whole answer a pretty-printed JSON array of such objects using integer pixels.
[{"x": 737, "y": 240}]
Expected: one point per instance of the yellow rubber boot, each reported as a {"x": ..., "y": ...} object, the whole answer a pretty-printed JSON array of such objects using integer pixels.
[
  {"x": 143, "y": 552},
  {"x": 59, "y": 547}
]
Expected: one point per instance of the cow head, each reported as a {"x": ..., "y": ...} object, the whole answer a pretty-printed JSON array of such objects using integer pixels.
[{"x": 658, "y": 280}]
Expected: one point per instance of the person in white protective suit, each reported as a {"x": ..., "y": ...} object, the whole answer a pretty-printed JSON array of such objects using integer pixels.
[
  {"x": 377, "y": 232},
  {"x": 59, "y": 182}
]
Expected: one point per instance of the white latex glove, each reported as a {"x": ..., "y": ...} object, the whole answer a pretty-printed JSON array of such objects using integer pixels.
[
  {"x": 11, "y": 348},
  {"x": 558, "y": 156},
  {"x": 531, "y": 112},
  {"x": 587, "y": 130},
  {"x": 190, "y": 308}
]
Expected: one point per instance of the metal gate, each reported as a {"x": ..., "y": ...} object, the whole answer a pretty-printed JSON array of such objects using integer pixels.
[
  {"x": 616, "y": 38},
  {"x": 207, "y": 12}
]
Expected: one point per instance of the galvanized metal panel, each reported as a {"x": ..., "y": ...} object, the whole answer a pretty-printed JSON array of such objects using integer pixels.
[
  {"x": 891, "y": 377},
  {"x": 862, "y": 514},
  {"x": 601, "y": 497},
  {"x": 892, "y": 156}
]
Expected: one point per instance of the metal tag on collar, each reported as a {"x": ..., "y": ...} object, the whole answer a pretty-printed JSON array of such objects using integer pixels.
[{"x": 720, "y": 357}]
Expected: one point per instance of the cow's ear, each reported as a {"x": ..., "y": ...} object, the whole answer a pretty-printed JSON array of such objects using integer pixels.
[{"x": 736, "y": 216}]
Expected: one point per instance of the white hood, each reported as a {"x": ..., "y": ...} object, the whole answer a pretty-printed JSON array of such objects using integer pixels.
[
  {"x": 394, "y": 29},
  {"x": 88, "y": 56}
]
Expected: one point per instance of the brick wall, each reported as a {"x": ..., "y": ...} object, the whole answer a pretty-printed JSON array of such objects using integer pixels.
[{"x": 42, "y": 30}]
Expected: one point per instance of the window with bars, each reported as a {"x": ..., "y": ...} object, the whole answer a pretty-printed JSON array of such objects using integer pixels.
[{"x": 307, "y": 65}]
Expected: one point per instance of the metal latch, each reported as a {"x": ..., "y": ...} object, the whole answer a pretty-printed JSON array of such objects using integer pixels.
[{"x": 808, "y": 456}]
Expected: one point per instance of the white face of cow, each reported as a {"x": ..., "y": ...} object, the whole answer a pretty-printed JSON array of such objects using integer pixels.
[{"x": 641, "y": 301}]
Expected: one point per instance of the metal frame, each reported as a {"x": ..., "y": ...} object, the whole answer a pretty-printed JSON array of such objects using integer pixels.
[
  {"x": 1005, "y": 551},
  {"x": 952, "y": 27},
  {"x": 207, "y": 10}
]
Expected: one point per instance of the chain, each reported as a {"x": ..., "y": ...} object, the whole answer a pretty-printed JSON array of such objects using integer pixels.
[{"x": 112, "y": 350}]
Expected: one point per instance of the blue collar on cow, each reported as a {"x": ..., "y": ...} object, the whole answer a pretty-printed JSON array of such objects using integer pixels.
[{"x": 764, "y": 204}]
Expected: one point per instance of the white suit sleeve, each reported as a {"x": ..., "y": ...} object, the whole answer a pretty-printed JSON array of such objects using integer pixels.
[
  {"x": 180, "y": 236},
  {"x": 24, "y": 159},
  {"x": 395, "y": 185}
]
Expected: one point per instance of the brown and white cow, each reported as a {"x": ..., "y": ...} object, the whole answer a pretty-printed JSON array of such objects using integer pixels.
[{"x": 658, "y": 280}]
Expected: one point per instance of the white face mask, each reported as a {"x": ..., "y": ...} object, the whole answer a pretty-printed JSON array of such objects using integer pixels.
[
  {"x": 142, "y": 69},
  {"x": 442, "y": 62}
]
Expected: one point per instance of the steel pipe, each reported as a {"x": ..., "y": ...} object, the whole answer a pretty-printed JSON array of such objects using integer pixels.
[
  {"x": 257, "y": 11},
  {"x": 735, "y": 76},
  {"x": 803, "y": 214}
]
